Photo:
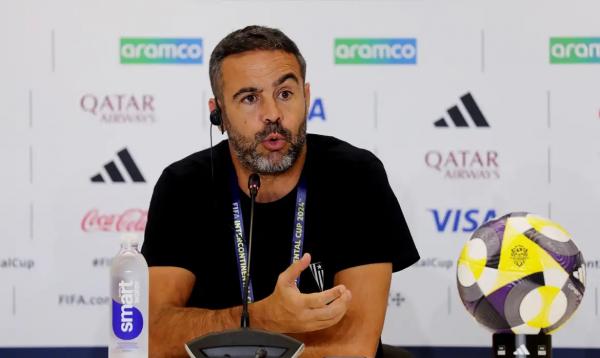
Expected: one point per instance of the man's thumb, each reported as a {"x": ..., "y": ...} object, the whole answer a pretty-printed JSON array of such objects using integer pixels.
[{"x": 294, "y": 270}]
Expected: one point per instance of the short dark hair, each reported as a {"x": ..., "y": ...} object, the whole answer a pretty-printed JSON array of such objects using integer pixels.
[{"x": 250, "y": 38}]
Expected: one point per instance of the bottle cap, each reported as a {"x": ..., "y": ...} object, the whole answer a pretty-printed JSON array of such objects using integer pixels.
[{"x": 130, "y": 239}]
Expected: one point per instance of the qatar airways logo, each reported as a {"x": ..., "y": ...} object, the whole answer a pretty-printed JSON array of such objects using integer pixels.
[
  {"x": 464, "y": 164},
  {"x": 131, "y": 220},
  {"x": 119, "y": 108}
]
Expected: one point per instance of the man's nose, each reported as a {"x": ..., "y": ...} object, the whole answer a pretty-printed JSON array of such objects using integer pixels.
[{"x": 271, "y": 111}]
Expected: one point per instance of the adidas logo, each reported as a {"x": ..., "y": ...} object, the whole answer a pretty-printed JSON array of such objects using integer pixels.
[
  {"x": 114, "y": 174},
  {"x": 521, "y": 351},
  {"x": 457, "y": 117}
]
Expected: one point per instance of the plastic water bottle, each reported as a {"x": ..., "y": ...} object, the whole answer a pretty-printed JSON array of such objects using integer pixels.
[{"x": 129, "y": 308}]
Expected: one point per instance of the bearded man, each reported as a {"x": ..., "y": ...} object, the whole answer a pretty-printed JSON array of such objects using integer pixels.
[{"x": 323, "y": 204}]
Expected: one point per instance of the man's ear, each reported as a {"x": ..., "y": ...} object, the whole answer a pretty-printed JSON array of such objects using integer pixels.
[
  {"x": 212, "y": 105},
  {"x": 307, "y": 96}
]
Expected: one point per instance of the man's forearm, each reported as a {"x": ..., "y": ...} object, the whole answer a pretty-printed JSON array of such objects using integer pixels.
[{"x": 173, "y": 326}]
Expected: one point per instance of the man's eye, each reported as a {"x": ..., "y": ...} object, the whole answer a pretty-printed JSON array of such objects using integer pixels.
[
  {"x": 285, "y": 95},
  {"x": 250, "y": 98}
]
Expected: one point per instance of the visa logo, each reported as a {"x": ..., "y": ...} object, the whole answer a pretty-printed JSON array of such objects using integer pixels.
[
  {"x": 460, "y": 220},
  {"x": 317, "y": 110}
]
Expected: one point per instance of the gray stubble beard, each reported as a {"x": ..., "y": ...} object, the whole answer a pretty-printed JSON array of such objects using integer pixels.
[{"x": 246, "y": 152}]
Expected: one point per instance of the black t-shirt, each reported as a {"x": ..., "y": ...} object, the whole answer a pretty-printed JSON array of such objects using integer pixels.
[{"x": 352, "y": 218}]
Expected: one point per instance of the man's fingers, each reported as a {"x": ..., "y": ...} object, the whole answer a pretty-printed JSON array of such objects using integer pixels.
[
  {"x": 334, "y": 311},
  {"x": 294, "y": 270},
  {"x": 320, "y": 299}
]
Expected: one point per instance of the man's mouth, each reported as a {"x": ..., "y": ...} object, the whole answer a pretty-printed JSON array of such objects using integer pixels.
[{"x": 274, "y": 142}]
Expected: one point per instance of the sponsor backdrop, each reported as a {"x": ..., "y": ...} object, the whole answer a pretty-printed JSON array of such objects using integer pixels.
[{"x": 476, "y": 108}]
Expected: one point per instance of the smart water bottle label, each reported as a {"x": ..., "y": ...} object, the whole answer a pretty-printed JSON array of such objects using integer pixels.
[{"x": 127, "y": 320}]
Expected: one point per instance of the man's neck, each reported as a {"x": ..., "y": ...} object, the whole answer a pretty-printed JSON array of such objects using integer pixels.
[{"x": 272, "y": 187}]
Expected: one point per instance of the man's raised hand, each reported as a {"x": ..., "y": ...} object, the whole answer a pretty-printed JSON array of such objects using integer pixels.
[{"x": 287, "y": 310}]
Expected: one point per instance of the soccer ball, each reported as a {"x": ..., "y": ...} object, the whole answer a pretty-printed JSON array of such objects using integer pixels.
[{"x": 521, "y": 273}]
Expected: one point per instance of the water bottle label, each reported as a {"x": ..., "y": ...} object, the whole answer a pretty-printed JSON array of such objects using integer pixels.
[{"x": 127, "y": 320}]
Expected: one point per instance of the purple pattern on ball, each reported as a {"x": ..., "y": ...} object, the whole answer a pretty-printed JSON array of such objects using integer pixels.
[
  {"x": 497, "y": 298},
  {"x": 569, "y": 263},
  {"x": 499, "y": 226}
]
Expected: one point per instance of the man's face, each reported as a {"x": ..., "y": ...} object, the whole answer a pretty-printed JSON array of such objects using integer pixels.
[{"x": 265, "y": 103}]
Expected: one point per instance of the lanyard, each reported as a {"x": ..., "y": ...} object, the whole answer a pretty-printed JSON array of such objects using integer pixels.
[{"x": 241, "y": 245}]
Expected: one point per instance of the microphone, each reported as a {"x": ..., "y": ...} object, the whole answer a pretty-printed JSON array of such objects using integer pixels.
[{"x": 253, "y": 186}]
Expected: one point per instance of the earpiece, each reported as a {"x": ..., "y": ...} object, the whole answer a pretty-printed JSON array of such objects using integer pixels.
[{"x": 215, "y": 117}]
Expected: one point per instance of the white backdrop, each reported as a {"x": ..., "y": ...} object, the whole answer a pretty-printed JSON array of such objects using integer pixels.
[{"x": 58, "y": 229}]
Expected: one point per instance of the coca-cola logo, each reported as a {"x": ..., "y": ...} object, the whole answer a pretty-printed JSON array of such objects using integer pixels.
[
  {"x": 131, "y": 220},
  {"x": 119, "y": 108},
  {"x": 464, "y": 164}
]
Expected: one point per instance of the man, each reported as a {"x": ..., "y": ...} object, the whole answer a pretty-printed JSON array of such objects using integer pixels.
[{"x": 319, "y": 195}]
